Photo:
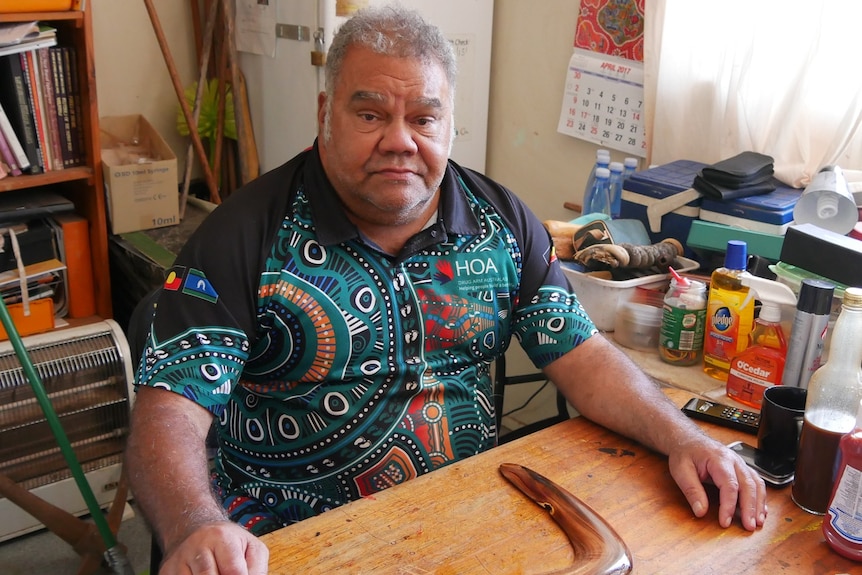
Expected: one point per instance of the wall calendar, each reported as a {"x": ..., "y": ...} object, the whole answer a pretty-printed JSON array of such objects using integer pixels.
[{"x": 603, "y": 102}]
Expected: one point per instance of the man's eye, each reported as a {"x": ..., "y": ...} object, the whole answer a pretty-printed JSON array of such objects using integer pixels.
[
  {"x": 425, "y": 121},
  {"x": 368, "y": 117}
]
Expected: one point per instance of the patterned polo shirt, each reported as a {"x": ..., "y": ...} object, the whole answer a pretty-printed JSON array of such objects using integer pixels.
[{"x": 335, "y": 370}]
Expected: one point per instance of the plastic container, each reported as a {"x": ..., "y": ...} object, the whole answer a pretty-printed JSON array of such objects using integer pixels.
[
  {"x": 602, "y": 298},
  {"x": 638, "y": 326},
  {"x": 683, "y": 322}
]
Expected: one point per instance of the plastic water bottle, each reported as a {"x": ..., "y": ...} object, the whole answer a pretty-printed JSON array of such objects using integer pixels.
[
  {"x": 598, "y": 201},
  {"x": 630, "y": 166},
  {"x": 603, "y": 160},
  {"x": 615, "y": 186}
]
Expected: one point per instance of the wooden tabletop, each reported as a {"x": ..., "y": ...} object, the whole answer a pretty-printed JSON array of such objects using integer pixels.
[{"x": 466, "y": 519}]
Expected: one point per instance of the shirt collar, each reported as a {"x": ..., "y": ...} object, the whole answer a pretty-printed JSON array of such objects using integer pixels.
[{"x": 334, "y": 227}]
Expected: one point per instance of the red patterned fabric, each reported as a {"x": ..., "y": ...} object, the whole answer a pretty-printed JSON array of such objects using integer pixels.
[{"x": 613, "y": 27}]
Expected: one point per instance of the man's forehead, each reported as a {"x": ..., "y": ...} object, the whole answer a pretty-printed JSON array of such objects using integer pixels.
[{"x": 378, "y": 97}]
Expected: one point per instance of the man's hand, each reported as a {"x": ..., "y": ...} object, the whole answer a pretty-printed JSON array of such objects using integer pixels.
[
  {"x": 222, "y": 548},
  {"x": 704, "y": 460}
]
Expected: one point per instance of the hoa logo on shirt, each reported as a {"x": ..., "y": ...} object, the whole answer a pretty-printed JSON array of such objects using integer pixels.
[
  {"x": 473, "y": 271},
  {"x": 475, "y": 267}
]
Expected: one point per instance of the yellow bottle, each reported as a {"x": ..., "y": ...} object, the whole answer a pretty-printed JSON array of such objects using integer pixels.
[{"x": 729, "y": 312}]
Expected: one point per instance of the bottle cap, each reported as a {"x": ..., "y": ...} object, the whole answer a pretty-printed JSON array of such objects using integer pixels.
[
  {"x": 616, "y": 167},
  {"x": 603, "y": 173},
  {"x": 736, "y": 257},
  {"x": 770, "y": 312},
  {"x": 815, "y": 296},
  {"x": 852, "y": 297},
  {"x": 631, "y": 162}
]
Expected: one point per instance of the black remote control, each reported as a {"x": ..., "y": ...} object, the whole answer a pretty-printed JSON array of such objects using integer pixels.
[{"x": 720, "y": 414}]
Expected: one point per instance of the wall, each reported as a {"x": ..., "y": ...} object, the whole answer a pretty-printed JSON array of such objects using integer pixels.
[
  {"x": 531, "y": 49},
  {"x": 532, "y": 42},
  {"x": 131, "y": 74}
]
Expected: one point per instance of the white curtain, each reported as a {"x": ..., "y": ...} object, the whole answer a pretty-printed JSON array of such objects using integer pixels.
[{"x": 780, "y": 77}]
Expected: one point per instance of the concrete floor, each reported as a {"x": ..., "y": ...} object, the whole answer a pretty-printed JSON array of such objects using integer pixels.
[{"x": 43, "y": 552}]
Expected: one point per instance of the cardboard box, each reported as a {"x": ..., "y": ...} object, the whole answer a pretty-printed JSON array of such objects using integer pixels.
[{"x": 140, "y": 175}]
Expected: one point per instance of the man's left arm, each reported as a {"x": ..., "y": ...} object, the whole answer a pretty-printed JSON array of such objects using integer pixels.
[{"x": 605, "y": 386}]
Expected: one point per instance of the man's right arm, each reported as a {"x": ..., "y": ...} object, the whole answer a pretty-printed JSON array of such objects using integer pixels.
[{"x": 169, "y": 477}]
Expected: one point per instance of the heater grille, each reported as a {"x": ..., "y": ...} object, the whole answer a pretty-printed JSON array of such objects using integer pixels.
[{"x": 86, "y": 373}]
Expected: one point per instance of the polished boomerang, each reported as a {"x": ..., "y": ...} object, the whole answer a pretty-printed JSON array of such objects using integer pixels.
[{"x": 599, "y": 550}]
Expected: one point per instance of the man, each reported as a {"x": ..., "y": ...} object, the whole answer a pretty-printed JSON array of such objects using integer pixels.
[{"x": 337, "y": 320}]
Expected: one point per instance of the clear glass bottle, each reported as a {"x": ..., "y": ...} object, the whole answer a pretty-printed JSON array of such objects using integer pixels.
[
  {"x": 599, "y": 200},
  {"x": 683, "y": 322},
  {"x": 834, "y": 393}
]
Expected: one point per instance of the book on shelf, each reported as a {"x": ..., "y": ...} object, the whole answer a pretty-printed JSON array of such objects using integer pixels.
[
  {"x": 13, "y": 33},
  {"x": 11, "y": 138},
  {"x": 17, "y": 37},
  {"x": 16, "y": 103},
  {"x": 50, "y": 108},
  {"x": 61, "y": 96},
  {"x": 22, "y": 205},
  {"x": 73, "y": 234},
  {"x": 8, "y": 157},
  {"x": 34, "y": 92},
  {"x": 76, "y": 113}
]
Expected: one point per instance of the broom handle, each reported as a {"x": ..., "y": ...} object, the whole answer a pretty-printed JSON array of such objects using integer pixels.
[{"x": 56, "y": 428}]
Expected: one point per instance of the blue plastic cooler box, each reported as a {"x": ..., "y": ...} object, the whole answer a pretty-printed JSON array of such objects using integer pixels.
[
  {"x": 768, "y": 213},
  {"x": 648, "y": 187}
]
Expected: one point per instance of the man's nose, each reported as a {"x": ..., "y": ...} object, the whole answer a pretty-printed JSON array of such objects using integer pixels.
[{"x": 398, "y": 137}]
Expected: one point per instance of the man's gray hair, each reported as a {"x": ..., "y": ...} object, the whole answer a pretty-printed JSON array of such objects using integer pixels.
[{"x": 392, "y": 30}]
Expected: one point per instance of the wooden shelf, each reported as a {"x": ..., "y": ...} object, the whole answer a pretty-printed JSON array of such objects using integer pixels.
[
  {"x": 42, "y": 16},
  {"x": 82, "y": 185}
]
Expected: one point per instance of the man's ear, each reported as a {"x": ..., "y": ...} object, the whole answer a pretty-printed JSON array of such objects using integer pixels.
[{"x": 321, "y": 111}]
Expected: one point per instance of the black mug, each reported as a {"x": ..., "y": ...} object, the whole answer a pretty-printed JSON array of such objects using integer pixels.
[{"x": 781, "y": 415}]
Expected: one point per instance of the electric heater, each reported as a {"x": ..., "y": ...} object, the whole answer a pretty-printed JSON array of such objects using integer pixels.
[{"x": 87, "y": 374}]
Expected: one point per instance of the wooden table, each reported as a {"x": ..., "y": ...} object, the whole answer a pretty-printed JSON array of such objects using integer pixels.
[{"x": 465, "y": 518}]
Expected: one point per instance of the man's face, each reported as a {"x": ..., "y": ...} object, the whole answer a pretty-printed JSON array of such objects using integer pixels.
[{"x": 390, "y": 133}]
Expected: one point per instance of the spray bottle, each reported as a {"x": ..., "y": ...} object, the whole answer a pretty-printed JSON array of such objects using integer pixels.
[{"x": 761, "y": 364}]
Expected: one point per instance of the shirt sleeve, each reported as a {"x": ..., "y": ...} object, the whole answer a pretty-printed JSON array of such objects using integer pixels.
[{"x": 206, "y": 316}]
